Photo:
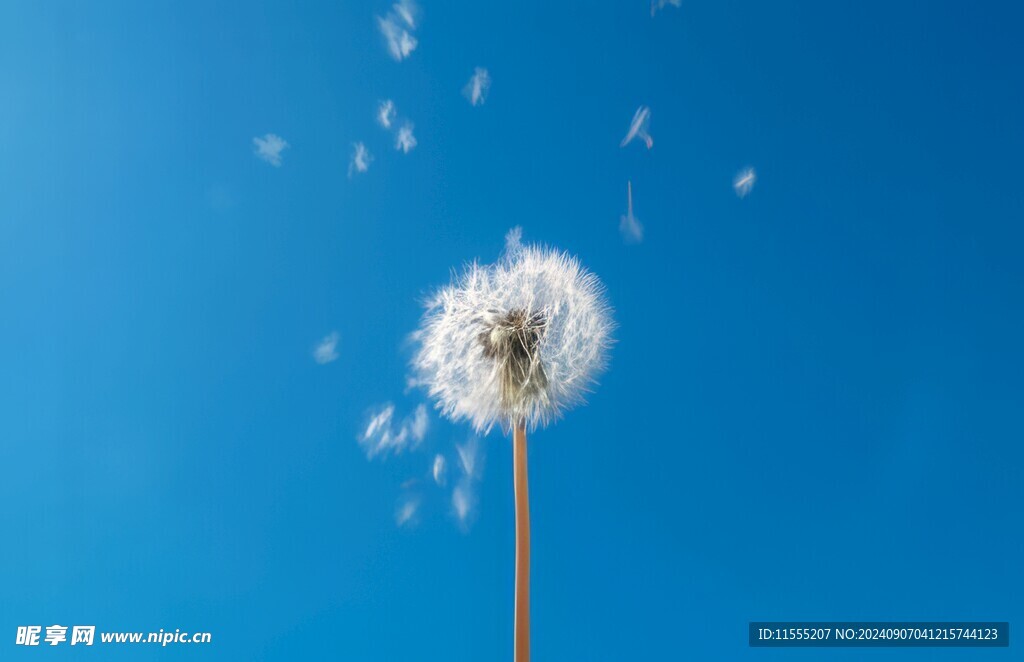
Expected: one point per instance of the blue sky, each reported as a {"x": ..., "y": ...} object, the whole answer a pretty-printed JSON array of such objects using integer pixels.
[{"x": 813, "y": 410}]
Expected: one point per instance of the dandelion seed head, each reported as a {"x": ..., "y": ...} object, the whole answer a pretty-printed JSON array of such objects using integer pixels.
[
  {"x": 521, "y": 340},
  {"x": 512, "y": 341}
]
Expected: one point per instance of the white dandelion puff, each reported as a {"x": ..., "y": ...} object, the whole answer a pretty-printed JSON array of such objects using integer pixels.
[
  {"x": 478, "y": 86},
  {"x": 361, "y": 158},
  {"x": 519, "y": 341},
  {"x": 639, "y": 127},
  {"x": 629, "y": 226},
  {"x": 405, "y": 140},
  {"x": 744, "y": 182}
]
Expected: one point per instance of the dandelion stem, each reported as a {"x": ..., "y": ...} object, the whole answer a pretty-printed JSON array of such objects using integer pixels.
[{"x": 522, "y": 494}]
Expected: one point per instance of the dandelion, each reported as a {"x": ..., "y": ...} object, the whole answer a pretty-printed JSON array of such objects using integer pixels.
[{"x": 515, "y": 344}]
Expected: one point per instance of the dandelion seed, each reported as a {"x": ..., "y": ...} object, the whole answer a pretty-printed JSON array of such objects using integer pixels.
[
  {"x": 438, "y": 470},
  {"x": 478, "y": 86},
  {"x": 470, "y": 467},
  {"x": 460, "y": 503},
  {"x": 405, "y": 140},
  {"x": 657, "y": 5},
  {"x": 386, "y": 113},
  {"x": 361, "y": 158},
  {"x": 629, "y": 226},
  {"x": 639, "y": 127},
  {"x": 406, "y": 512},
  {"x": 408, "y": 10},
  {"x": 269, "y": 148},
  {"x": 327, "y": 350},
  {"x": 513, "y": 344},
  {"x": 470, "y": 458},
  {"x": 418, "y": 425},
  {"x": 397, "y": 27},
  {"x": 744, "y": 182},
  {"x": 513, "y": 239},
  {"x": 382, "y": 437}
]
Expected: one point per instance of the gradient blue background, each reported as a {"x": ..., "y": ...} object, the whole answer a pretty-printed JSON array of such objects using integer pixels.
[{"x": 814, "y": 410}]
